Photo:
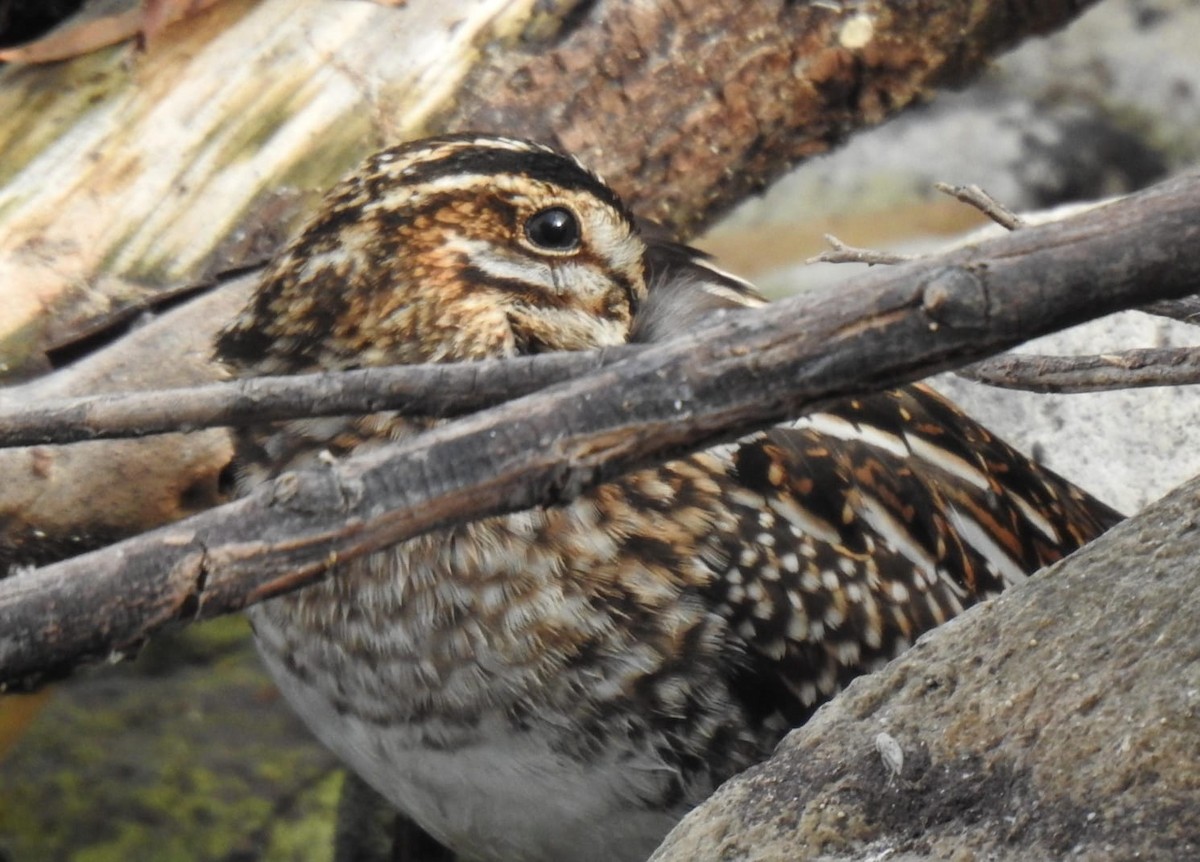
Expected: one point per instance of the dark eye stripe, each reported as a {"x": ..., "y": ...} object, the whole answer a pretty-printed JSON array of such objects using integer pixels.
[{"x": 530, "y": 293}]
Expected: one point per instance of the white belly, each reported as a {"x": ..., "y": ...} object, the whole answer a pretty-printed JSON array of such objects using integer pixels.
[{"x": 495, "y": 793}]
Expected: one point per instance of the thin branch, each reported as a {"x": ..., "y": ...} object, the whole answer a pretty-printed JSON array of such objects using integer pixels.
[
  {"x": 843, "y": 253},
  {"x": 444, "y": 391},
  {"x": 976, "y": 197},
  {"x": 1128, "y": 369},
  {"x": 427, "y": 390},
  {"x": 972, "y": 195},
  {"x": 745, "y": 371},
  {"x": 1185, "y": 310}
]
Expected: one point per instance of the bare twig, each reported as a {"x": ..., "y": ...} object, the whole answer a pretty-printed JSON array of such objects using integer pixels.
[
  {"x": 1128, "y": 369},
  {"x": 751, "y": 369},
  {"x": 1185, "y": 310},
  {"x": 451, "y": 390},
  {"x": 975, "y": 196},
  {"x": 842, "y": 253},
  {"x": 428, "y": 390}
]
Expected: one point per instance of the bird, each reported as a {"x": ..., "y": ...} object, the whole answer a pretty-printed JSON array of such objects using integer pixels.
[{"x": 566, "y": 682}]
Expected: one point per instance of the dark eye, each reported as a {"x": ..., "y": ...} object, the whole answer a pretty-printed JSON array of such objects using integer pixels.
[{"x": 554, "y": 229}]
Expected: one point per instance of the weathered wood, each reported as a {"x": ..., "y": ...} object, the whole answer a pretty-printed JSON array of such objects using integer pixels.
[
  {"x": 124, "y": 173},
  {"x": 750, "y": 369}
]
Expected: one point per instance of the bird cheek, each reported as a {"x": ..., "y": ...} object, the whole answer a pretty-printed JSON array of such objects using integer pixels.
[
  {"x": 603, "y": 292},
  {"x": 613, "y": 240}
]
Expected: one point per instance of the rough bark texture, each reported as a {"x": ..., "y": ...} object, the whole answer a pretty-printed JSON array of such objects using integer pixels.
[
  {"x": 1127, "y": 369},
  {"x": 1060, "y": 721},
  {"x": 751, "y": 369}
]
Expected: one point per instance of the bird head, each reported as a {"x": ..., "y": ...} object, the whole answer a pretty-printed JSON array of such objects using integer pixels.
[{"x": 447, "y": 249}]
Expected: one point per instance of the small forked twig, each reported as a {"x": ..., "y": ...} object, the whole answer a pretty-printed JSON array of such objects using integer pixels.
[
  {"x": 974, "y": 196},
  {"x": 843, "y": 253},
  {"x": 1054, "y": 374}
]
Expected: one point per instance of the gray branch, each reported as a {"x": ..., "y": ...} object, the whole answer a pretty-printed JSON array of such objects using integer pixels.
[
  {"x": 425, "y": 390},
  {"x": 1127, "y": 369}
]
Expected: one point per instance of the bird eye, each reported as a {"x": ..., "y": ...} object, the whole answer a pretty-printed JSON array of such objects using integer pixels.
[{"x": 553, "y": 229}]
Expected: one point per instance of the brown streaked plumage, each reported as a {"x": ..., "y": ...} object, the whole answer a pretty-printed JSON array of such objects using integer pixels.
[{"x": 565, "y": 683}]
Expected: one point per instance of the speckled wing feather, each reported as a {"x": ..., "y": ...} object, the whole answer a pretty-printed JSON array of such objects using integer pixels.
[{"x": 861, "y": 526}]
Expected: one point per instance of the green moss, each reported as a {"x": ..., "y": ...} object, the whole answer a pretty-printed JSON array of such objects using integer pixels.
[
  {"x": 187, "y": 756},
  {"x": 244, "y": 133},
  {"x": 308, "y": 834},
  {"x": 341, "y": 149},
  {"x": 205, "y": 643}
]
